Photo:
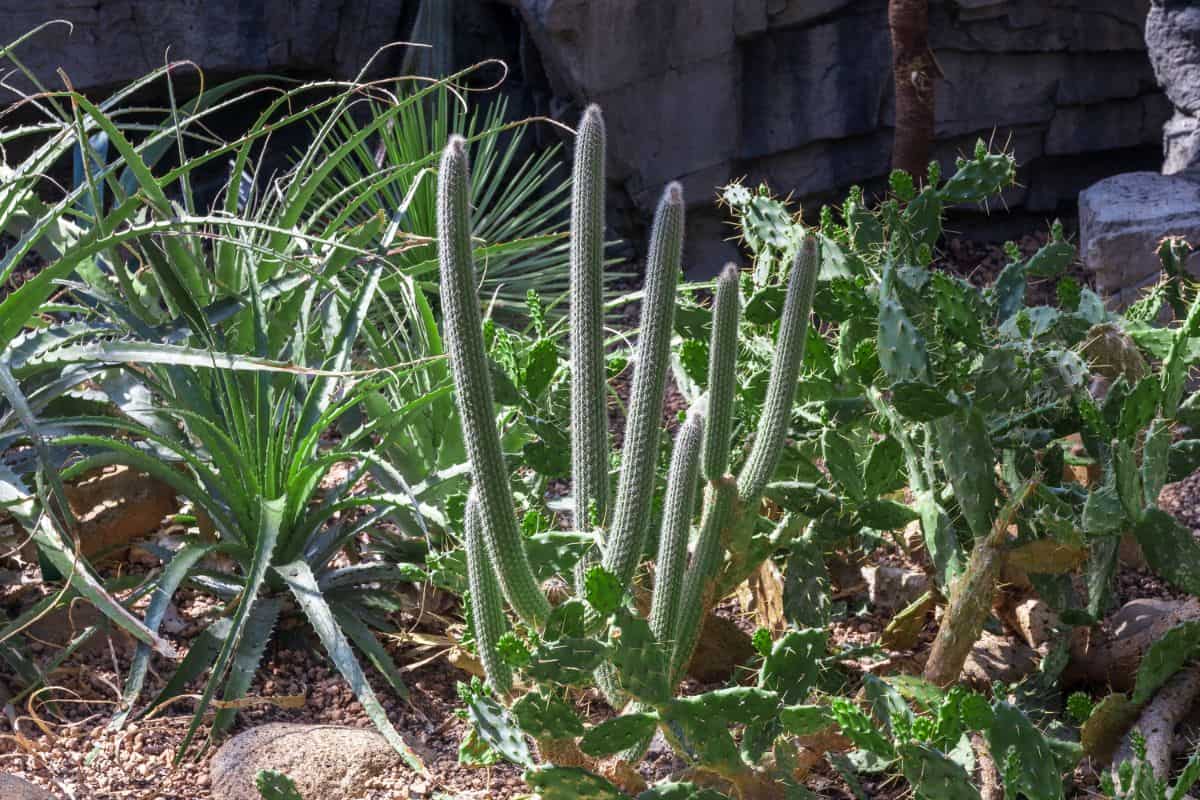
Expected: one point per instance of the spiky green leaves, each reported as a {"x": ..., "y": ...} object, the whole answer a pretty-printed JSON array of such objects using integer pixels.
[
  {"x": 589, "y": 418},
  {"x": 473, "y": 390},
  {"x": 785, "y": 372},
  {"x": 635, "y": 486}
]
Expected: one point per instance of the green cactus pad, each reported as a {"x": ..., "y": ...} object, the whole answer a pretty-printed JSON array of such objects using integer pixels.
[
  {"x": 570, "y": 783},
  {"x": 618, "y": 733},
  {"x": 544, "y": 716}
]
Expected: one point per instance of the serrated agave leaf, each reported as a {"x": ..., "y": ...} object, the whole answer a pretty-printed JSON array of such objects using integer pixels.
[
  {"x": 43, "y": 527},
  {"x": 321, "y": 392},
  {"x": 270, "y": 516},
  {"x": 259, "y": 628},
  {"x": 164, "y": 589},
  {"x": 303, "y": 584},
  {"x": 200, "y": 656},
  {"x": 120, "y": 352}
]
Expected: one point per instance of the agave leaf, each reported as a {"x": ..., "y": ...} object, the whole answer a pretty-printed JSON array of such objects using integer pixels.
[
  {"x": 270, "y": 516},
  {"x": 257, "y": 633},
  {"x": 164, "y": 589},
  {"x": 364, "y": 638},
  {"x": 303, "y": 584}
]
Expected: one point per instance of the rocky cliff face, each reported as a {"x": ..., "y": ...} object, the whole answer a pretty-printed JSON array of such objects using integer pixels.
[
  {"x": 794, "y": 92},
  {"x": 798, "y": 92}
]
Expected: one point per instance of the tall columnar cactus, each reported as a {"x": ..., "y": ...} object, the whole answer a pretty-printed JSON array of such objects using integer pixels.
[
  {"x": 785, "y": 373},
  {"x": 635, "y": 485},
  {"x": 683, "y": 591},
  {"x": 722, "y": 360},
  {"x": 676, "y": 526},
  {"x": 486, "y": 603},
  {"x": 589, "y": 417},
  {"x": 473, "y": 390}
]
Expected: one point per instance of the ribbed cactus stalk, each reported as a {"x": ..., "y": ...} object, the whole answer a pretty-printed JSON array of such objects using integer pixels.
[
  {"x": 785, "y": 373},
  {"x": 722, "y": 360},
  {"x": 635, "y": 486},
  {"x": 684, "y": 588},
  {"x": 676, "y": 525},
  {"x": 487, "y": 605},
  {"x": 589, "y": 415},
  {"x": 473, "y": 390},
  {"x": 720, "y": 501}
]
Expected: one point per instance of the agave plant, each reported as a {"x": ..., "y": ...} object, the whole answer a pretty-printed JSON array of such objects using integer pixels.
[{"x": 216, "y": 344}]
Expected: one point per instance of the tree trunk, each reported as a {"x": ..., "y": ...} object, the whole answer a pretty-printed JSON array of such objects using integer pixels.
[{"x": 914, "y": 71}]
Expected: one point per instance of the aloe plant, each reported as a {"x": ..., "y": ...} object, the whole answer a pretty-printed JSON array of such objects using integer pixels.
[{"x": 632, "y": 657}]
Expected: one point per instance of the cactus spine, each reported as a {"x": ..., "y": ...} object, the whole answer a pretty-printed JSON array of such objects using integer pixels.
[
  {"x": 722, "y": 359},
  {"x": 473, "y": 390},
  {"x": 640, "y": 452},
  {"x": 487, "y": 607},
  {"x": 785, "y": 372},
  {"x": 676, "y": 525},
  {"x": 589, "y": 416}
]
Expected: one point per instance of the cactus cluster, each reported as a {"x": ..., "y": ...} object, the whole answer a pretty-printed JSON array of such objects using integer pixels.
[{"x": 597, "y": 637}]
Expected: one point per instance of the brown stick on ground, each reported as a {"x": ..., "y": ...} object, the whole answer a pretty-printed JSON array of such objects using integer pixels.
[
  {"x": 990, "y": 787},
  {"x": 1157, "y": 722},
  {"x": 914, "y": 71},
  {"x": 971, "y": 599}
]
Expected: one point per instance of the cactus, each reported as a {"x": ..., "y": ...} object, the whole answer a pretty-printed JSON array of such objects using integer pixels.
[
  {"x": 722, "y": 360},
  {"x": 487, "y": 610},
  {"x": 589, "y": 417},
  {"x": 785, "y": 372},
  {"x": 676, "y": 526},
  {"x": 635, "y": 485},
  {"x": 603, "y": 640},
  {"x": 468, "y": 362}
]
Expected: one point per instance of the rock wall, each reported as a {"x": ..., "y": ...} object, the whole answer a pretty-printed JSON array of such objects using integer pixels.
[
  {"x": 798, "y": 92},
  {"x": 794, "y": 92},
  {"x": 1173, "y": 35},
  {"x": 111, "y": 42}
]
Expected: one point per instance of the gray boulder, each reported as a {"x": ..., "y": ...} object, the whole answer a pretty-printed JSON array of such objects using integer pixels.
[
  {"x": 1121, "y": 221},
  {"x": 14, "y": 788},
  {"x": 325, "y": 761}
]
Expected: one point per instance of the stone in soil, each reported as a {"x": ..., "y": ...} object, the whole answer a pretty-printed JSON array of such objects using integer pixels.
[
  {"x": 326, "y": 761},
  {"x": 1121, "y": 221},
  {"x": 14, "y": 788}
]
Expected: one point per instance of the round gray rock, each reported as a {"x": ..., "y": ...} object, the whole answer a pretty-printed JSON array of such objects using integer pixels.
[
  {"x": 14, "y": 788},
  {"x": 324, "y": 761}
]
